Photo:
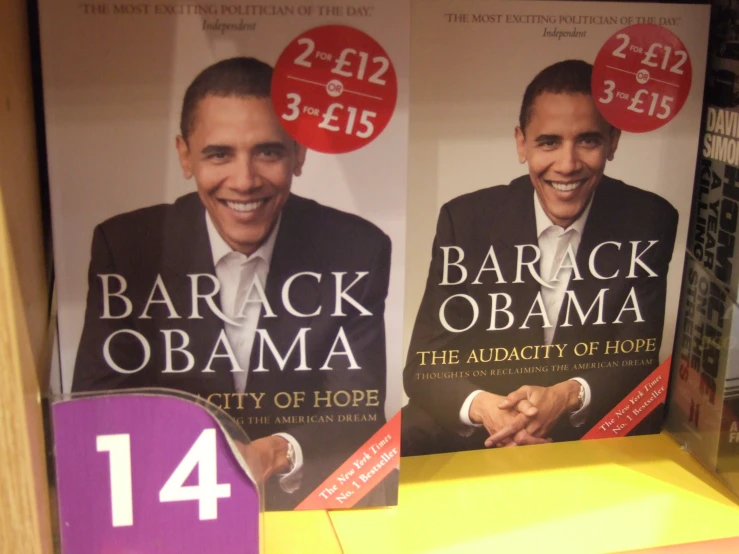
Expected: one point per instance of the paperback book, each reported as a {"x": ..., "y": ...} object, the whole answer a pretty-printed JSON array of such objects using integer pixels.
[
  {"x": 551, "y": 161},
  {"x": 228, "y": 186},
  {"x": 703, "y": 414}
]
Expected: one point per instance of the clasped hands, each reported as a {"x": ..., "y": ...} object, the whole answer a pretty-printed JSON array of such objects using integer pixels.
[
  {"x": 527, "y": 415},
  {"x": 267, "y": 456}
]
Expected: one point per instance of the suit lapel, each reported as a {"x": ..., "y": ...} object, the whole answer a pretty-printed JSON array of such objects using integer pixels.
[
  {"x": 292, "y": 254},
  {"x": 597, "y": 227}
]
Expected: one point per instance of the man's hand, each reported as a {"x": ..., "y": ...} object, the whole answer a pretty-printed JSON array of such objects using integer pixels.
[
  {"x": 486, "y": 409},
  {"x": 551, "y": 403},
  {"x": 268, "y": 454}
]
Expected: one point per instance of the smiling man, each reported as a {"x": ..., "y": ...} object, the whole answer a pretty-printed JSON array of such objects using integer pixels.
[
  {"x": 521, "y": 274},
  {"x": 264, "y": 303}
]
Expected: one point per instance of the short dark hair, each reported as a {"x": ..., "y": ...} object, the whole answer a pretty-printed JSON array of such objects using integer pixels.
[
  {"x": 566, "y": 77},
  {"x": 239, "y": 77}
]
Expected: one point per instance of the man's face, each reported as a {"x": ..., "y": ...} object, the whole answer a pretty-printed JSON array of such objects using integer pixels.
[
  {"x": 243, "y": 163},
  {"x": 566, "y": 144}
]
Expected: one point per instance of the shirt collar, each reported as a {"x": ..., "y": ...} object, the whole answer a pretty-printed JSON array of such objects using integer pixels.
[
  {"x": 543, "y": 222},
  {"x": 220, "y": 249}
]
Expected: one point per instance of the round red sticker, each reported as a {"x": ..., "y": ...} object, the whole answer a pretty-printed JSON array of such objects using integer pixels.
[
  {"x": 641, "y": 78},
  {"x": 334, "y": 89}
]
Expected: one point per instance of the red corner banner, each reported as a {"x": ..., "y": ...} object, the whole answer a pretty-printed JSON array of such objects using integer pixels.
[
  {"x": 643, "y": 400},
  {"x": 367, "y": 467}
]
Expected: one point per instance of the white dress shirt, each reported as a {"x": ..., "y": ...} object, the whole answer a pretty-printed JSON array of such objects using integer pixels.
[
  {"x": 558, "y": 247},
  {"x": 243, "y": 279}
]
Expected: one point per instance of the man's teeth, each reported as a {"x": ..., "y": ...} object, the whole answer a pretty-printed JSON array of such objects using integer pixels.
[
  {"x": 244, "y": 206},
  {"x": 565, "y": 187}
]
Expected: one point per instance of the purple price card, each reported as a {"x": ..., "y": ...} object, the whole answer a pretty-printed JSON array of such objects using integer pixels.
[{"x": 140, "y": 473}]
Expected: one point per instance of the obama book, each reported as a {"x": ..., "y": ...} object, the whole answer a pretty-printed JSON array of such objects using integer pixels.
[
  {"x": 548, "y": 213},
  {"x": 222, "y": 226}
]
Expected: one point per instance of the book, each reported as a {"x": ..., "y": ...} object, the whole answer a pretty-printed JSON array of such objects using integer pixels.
[
  {"x": 228, "y": 190},
  {"x": 551, "y": 161},
  {"x": 703, "y": 409}
]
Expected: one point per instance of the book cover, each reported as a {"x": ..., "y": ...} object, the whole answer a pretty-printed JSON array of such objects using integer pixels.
[
  {"x": 702, "y": 410},
  {"x": 703, "y": 413},
  {"x": 228, "y": 189},
  {"x": 553, "y": 146}
]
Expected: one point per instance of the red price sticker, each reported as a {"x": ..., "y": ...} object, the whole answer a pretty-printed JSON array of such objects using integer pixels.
[
  {"x": 334, "y": 89},
  {"x": 641, "y": 78}
]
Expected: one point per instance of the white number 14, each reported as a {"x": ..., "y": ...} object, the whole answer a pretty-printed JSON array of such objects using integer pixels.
[{"x": 202, "y": 454}]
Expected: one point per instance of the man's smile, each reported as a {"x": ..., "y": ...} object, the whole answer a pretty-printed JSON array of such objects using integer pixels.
[
  {"x": 245, "y": 207},
  {"x": 566, "y": 186}
]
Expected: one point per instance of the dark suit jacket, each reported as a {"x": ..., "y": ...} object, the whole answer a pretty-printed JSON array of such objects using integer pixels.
[
  {"x": 171, "y": 241},
  {"x": 503, "y": 217}
]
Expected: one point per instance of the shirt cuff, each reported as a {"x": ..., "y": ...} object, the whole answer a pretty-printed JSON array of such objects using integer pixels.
[
  {"x": 290, "y": 481},
  {"x": 464, "y": 413},
  {"x": 578, "y": 418}
]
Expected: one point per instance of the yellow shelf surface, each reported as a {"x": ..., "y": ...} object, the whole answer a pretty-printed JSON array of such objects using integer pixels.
[
  {"x": 582, "y": 497},
  {"x": 718, "y": 546},
  {"x": 300, "y": 533}
]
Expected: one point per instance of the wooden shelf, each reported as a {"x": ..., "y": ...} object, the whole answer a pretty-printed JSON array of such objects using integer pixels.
[{"x": 25, "y": 522}]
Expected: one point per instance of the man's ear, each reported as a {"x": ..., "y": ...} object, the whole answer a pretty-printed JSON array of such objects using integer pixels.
[
  {"x": 520, "y": 145},
  {"x": 300, "y": 153},
  {"x": 613, "y": 138},
  {"x": 183, "y": 152}
]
